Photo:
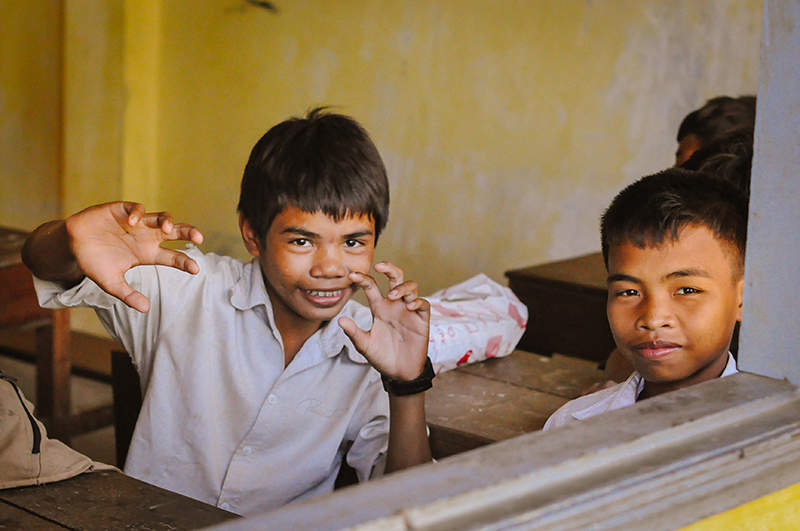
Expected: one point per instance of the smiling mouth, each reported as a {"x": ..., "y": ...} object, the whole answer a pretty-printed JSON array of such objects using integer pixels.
[
  {"x": 656, "y": 349},
  {"x": 324, "y": 294}
]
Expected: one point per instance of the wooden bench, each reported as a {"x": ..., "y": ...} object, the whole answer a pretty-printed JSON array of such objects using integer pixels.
[{"x": 19, "y": 308}]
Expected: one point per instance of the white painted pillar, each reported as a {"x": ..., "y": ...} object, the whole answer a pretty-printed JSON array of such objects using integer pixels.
[{"x": 770, "y": 336}]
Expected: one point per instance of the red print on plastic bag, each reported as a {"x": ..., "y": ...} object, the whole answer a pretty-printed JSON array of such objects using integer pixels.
[
  {"x": 493, "y": 346},
  {"x": 514, "y": 313},
  {"x": 446, "y": 312}
]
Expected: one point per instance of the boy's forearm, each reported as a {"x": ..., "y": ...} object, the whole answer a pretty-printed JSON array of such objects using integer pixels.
[
  {"x": 48, "y": 254},
  {"x": 408, "y": 435}
]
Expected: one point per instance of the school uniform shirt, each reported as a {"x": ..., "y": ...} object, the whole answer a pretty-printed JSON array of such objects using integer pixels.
[
  {"x": 616, "y": 397},
  {"x": 222, "y": 421}
]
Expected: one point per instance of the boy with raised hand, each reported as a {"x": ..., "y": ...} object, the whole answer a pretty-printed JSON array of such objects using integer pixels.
[
  {"x": 258, "y": 378},
  {"x": 674, "y": 248}
]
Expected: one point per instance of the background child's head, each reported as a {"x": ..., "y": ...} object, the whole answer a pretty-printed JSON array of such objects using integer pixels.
[
  {"x": 323, "y": 162},
  {"x": 655, "y": 209},
  {"x": 729, "y": 157},
  {"x": 718, "y": 117}
]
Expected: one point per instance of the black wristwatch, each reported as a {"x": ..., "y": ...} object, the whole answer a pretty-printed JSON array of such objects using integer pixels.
[{"x": 421, "y": 383}]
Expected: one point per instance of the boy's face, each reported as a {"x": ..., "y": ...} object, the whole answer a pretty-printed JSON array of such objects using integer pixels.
[
  {"x": 673, "y": 308},
  {"x": 305, "y": 260}
]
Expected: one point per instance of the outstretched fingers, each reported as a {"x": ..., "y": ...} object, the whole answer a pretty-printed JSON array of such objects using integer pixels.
[
  {"x": 408, "y": 291},
  {"x": 186, "y": 232},
  {"x": 134, "y": 211},
  {"x": 170, "y": 231},
  {"x": 124, "y": 292},
  {"x": 421, "y": 306},
  {"x": 176, "y": 259},
  {"x": 394, "y": 273},
  {"x": 159, "y": 220},
  {"x": 368, "y": 284}
]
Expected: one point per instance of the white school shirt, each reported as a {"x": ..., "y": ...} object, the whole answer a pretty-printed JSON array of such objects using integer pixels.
[
  {"x": 221, "y": 419},
  {"x": 616, "y": 397}
]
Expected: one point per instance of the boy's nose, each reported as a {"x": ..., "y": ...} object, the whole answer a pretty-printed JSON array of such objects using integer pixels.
[
  {"x": 655, "y": 314},
  {"x": 328, "y": 264}
]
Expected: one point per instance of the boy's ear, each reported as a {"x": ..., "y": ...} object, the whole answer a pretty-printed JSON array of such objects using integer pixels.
[
  {"x": 249, "y": 236},
  {"x": 740, "y": 297}
]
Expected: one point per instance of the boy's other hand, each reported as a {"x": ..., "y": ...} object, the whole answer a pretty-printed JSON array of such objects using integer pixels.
[
  {"x": 107, "y": 240},
  {"x": 397, "y": 344}
]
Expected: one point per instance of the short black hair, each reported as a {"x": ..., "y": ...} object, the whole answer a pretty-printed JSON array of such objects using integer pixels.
[
  {"x": 657, "y": 207},
  {"x": 322, "y": 162},
  {"x": 718, "y": 117},
  {"x": 730, "y": 157}
]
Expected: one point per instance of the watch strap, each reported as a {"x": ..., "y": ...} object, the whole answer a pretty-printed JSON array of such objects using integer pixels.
[{"x": 421, "y": 383}]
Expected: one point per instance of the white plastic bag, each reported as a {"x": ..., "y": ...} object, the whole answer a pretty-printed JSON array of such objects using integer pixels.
[{"x": 473, "y": 321}]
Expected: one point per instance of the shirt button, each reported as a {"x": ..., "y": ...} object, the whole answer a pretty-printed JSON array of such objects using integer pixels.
[
  {"x": 272, "y": 399},
  {"x": 225, "y": 506},
  {"x": 247, "y": 450}
]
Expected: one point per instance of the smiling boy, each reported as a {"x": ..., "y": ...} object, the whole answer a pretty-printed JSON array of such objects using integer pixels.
[
  {"x": 674, "y": 247},
  {"x": 259, "y": 378}
]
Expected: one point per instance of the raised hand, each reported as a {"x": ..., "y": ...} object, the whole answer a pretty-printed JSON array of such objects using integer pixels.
[
  {"x": 107, "y": 240},
  {"x": 397, "y": 343}
]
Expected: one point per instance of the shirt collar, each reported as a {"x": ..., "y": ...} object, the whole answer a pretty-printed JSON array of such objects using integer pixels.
[
  {"x": 250, "y": 293},
  {"x": 615, "y": 397},
  {"x": 628, "y": 392}
]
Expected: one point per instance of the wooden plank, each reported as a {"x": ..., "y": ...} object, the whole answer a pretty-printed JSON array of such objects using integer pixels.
[
  {"x": 558, "y": 375},
  {"x": 54, "y": 369},
  {"x": 111, "y": 500},
  {"x": 90, "y": 354},
  {"x": 587, "y": 272},
  {"x": 485, "y": 409},
  {"x": 13, "y": 519}
]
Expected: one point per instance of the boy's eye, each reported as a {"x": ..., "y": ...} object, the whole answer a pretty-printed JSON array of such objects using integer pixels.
[
  {"x": 301, "y": 242},
  {"x": 352, "y": 243},
  {"x": 687, "y": 291},
  {"x": 626, "y": 293}
]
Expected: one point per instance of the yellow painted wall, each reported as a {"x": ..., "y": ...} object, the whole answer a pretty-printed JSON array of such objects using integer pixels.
[
  {"x": 30, "y": 112},
  {"x": 779, "y": 511},
  {"x": 506, "y": 127},
  {"x": 94, "y": 103}
]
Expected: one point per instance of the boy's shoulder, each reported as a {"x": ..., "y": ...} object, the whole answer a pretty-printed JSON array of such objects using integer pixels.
[
  {"x": 614, "y": 397},
  {"x": 213, "y": 262}
]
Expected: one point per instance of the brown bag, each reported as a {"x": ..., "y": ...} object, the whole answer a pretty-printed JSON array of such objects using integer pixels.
[{"x": 27, "y": 456}]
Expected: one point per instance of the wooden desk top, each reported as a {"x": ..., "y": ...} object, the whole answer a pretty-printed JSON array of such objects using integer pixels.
[
  {"x": 587, "y": 271},
  {"x": 501, "y": 398},
  {"x": 101, "y": 501}
]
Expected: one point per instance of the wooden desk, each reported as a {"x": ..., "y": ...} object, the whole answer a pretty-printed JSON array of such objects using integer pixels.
[
  {"x": 501, "y": 398},
  {"x": 103, "y": 501},
  {"x": 566, "y": 303},
  {"x": 19, "y": 307}
]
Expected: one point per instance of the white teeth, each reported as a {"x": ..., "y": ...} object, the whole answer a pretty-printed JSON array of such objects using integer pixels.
[{"x": 315, "y": 293}]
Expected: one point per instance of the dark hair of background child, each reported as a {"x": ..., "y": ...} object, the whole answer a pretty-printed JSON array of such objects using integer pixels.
[{"x": 718, "y": 117}]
